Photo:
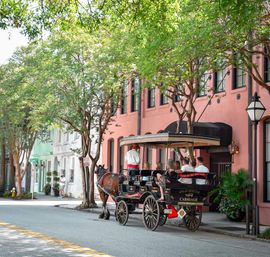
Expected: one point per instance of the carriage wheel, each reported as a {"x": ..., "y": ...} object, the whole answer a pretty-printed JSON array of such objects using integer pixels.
[
  {"x": 163, "y": 217},
  {"x": 151, "y": 213},
  {"x": 193, "y": 217},
  {"x": 121, "y": 212}
]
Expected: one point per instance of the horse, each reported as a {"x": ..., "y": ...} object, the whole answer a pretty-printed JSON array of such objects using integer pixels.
[{"x": 108, "y": 184}]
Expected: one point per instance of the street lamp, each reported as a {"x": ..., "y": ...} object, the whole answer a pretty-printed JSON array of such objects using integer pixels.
[{"x": 255, "y": 112}]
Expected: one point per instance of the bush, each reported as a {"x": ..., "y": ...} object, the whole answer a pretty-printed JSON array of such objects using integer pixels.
[
  {"x": 7, "y": 194},
  {"x": 25, "y": 196},
  {"x": 265, "y": 234},
  {"x": 47, "y": 189},
  {"x": 231, "y": 194}
]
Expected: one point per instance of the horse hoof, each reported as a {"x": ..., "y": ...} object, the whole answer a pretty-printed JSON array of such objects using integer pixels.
[{"x": 101, "y": 216}]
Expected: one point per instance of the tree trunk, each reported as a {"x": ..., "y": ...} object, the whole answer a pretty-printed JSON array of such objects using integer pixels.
[
  {"x": 85, "y": 202},
  {"x": 92, "y": 185},
  {"x": 3, "y": 168},
  {"x": 18, "y": 177}
]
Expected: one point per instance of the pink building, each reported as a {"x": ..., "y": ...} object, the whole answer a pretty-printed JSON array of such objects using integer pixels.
[{"x": 228, "y": 106}]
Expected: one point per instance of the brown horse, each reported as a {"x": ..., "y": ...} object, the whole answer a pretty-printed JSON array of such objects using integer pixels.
[{"x": 107, "y": 184}]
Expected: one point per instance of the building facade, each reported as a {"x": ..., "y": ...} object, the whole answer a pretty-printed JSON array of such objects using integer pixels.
[{"x": 222, "y": 102}]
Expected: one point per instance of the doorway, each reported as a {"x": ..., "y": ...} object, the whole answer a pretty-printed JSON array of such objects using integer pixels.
[{"x": 219, "y": 164}]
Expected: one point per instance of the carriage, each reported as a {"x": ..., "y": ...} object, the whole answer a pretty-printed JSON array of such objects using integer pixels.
[{"x": 183, "y": 201}]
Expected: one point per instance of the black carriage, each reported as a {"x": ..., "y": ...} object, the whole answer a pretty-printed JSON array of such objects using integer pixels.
[{"x": 180, "y": 200}]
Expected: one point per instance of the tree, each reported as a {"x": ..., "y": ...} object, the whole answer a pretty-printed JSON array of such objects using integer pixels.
[
  {"x": 21, "y": 115},
  {"x": 81, "y": 79}
]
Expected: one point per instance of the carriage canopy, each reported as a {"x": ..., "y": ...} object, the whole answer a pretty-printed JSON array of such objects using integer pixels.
[{"x": 169, "y": 140}]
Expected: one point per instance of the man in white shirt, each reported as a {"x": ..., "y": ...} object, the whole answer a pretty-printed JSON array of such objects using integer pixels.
[
  {"x": 201, "y": 169},
  {"x": 186, "y": 167},
  {"x": 133, "y": 160}
]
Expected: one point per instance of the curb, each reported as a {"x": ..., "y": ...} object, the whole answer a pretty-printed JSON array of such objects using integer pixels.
[{"x": 201, "y": 228}]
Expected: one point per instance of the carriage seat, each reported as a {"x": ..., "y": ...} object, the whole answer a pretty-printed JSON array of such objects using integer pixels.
[
  {"x": 145, "y": 176},
  {"x": 197, "y": 177}
]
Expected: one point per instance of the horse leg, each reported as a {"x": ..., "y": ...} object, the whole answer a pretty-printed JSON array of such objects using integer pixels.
[
  {"x": 102, "y": 197},
  {"x": 107, "y": 213}
]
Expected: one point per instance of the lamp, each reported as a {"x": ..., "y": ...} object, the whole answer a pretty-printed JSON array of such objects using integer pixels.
[
  {"x": 233, "y": 148},
  {"x": 255, "y": 112},
  {"x": 255, "y": 109}
]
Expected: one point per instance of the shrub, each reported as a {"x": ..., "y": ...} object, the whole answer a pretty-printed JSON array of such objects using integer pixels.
[
  {"x": 47, "y": 189},
  {"x": 7, "y": 194},
  {"x": 25, "y": 196},
  {"x": 265, "y": 234},
  {"x": 231, "y": 194}
]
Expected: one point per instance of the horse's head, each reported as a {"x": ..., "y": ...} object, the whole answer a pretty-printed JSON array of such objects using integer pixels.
[{"x": 100, "y": 171}]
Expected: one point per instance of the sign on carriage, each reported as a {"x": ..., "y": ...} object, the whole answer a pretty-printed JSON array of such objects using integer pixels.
[{"x": 181, "y": 213}]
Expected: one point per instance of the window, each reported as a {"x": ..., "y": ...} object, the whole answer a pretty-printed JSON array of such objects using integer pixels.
[
  {"x": 219, "y": 81},
  {"x": 151, "y": 97},
  {"x": 121, "y": 157},
  {"x": 149, "y": 155},
  {"x": 163, "y": 99},
  {"x": 266, "y": 68},
  {"x": 239, "y": 73},
  {"x": 135, "y": 88},
  {"x": 37, "y": 174},
  {"x": 267, "y": 161},
  {"x": 67, "y": 136},
  {"x": 162, "y": 158},
  {"x": 239, "y": 77},
  {"x": 71, "y": 171},
  {"x": 49, "y": 164},
  {"x": 76, "y": 135},
  {"x": 111, "y": 154},
  {"x": 176, "y": 98},
  {"x": 202, "y": 90},
  {"x": 124, "y": 97}
]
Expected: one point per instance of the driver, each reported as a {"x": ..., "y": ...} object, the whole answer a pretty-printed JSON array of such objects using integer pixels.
[{"x": 133, "y": 160}]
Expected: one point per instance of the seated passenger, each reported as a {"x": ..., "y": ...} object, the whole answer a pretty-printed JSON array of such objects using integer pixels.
[
  {"x": 201, "y": 169},
  {"x": 186, "y": 167},
  {"x": 161, "y": 180},
  {"x": 177, "y": 166}
]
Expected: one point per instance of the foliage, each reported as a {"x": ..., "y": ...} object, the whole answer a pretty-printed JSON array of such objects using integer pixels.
[
  {"x": 231, "y": 193},
  {"x": 25, "y": 196},
  {"x": 7, "y": 194},
  {"x": 265, "y": 234},
  {"x": 47, "y": 188}
]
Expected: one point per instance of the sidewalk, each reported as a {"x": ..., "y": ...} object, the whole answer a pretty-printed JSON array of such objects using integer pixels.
[{"x": 211, "y": 221}]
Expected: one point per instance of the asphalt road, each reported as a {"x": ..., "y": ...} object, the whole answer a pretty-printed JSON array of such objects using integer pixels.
[{"x": 51, "y": 231}]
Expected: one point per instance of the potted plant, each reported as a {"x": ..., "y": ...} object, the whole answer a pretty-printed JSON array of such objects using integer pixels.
[
  {"x": 48, "y": 186},
  {"x": 232, "y": 194},
  {"x": 56, "y": 185}
]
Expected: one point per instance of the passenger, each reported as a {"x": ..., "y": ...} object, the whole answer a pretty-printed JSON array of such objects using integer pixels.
[
  {"x": 147, "y": 166},
  {"x": 186, "y": 167},
  {"x": 202, "y": 169},
  {"x": 177, "y": 166},
  {"x": 161, "y": 178},
  {"x": 158, "y": 166},
  {"x": 133, "y": 160}
]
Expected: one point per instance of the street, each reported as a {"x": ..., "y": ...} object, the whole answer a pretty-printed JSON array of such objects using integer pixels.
[{"x": 52, "y": 231}]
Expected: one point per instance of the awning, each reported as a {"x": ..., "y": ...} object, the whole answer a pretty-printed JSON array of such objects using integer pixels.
[
  {"x": 170, "y": 140},
  {"x": 219, "y": 130}
]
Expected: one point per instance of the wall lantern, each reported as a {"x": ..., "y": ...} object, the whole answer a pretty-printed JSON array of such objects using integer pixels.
[{"x": 233, "y": 148}]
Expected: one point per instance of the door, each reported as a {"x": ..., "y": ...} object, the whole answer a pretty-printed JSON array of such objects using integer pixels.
[{"x": 219, "y": 164}]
